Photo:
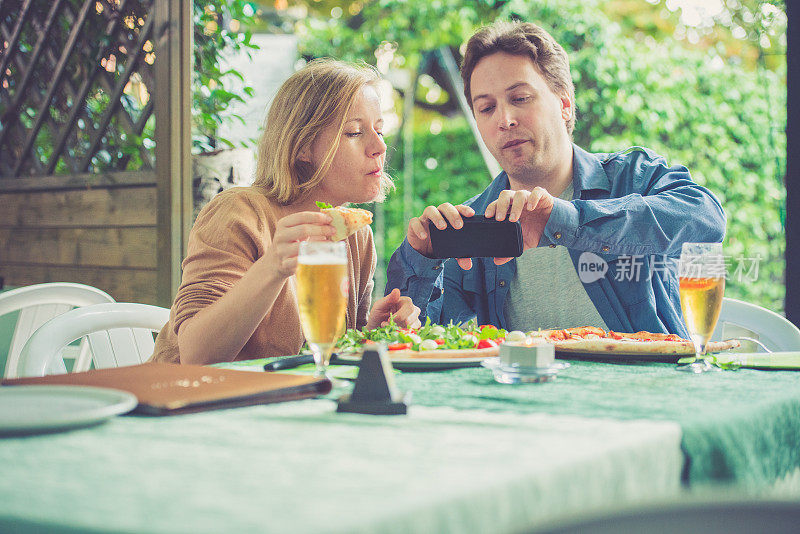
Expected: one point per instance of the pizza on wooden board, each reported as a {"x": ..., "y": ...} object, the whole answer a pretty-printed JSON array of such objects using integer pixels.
[
  {"x": 593, "y": 340},
  {"x": 346, "y": 221},
  {"x": 473, "y": 341}
]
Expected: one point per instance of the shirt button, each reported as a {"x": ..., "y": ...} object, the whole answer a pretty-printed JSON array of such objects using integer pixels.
[
  {"x": 437, "y": 267},
  {"x": 502, "y": 283},
  {"x": 606, "y": 248},
  {"x": 557, "y": 235},
  {"x": 552, "y": 246}
]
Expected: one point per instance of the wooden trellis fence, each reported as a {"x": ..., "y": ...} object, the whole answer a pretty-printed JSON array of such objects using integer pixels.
[{"x": 94, "y": 144}]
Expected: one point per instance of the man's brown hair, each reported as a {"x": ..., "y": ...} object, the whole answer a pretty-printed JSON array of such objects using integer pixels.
[{"x": 522, "y": 39}]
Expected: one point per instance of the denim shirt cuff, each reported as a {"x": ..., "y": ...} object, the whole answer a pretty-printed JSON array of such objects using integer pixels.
[{"x": 562, "y": 227}]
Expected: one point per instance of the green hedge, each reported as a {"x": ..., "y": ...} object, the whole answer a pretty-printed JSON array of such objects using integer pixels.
[
  {"x": 725, "y": 122},
  {"x": 727, "y": 129}
]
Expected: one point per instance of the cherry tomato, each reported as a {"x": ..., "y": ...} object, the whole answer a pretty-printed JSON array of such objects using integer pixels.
[
  {"x": 439, "y": 341},
  {"x": 399, "y": 346},
  {"x": 486, "y": 326},
  {"x": 486, "y": 343}
]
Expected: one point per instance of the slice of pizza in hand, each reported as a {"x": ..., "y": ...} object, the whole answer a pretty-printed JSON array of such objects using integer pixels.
[{"x": 346, "y": 221}]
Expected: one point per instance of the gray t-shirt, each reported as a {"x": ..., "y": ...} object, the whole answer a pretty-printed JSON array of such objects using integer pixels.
[{"x": 546, "y": 291}]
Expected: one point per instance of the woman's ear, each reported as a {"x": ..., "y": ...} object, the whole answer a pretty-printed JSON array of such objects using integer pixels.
[{"x": 305, "y": 154}]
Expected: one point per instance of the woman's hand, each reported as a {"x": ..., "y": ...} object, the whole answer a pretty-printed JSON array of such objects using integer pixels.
[
  {"x": 289, "y": 232},
  {"x": 531, "y": 208},
  {"x": 401, "y": 308},
  {"x": 209, "y": 336},
  {"x": 419, "y": 237}
]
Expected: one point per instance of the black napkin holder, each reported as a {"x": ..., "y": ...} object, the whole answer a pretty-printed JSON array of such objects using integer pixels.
[{"x": 375, "y": 392}]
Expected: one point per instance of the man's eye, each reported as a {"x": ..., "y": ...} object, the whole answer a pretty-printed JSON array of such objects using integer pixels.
[
  {"x": 379, "y": 133},
  {"x": 486, "y": 109}
]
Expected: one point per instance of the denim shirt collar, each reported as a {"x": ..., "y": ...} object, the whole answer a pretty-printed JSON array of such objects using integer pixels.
[{"x": 587, "y": 174}]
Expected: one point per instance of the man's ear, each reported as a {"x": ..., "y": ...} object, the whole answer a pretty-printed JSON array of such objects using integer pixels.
[{"x": 567, "y": 109}]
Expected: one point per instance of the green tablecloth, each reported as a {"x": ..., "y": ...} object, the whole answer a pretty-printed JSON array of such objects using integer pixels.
[
  {"x": 472, "y": 456},
  {"x": 738, "y": 426},
  {"x": 301, "y": 467}
]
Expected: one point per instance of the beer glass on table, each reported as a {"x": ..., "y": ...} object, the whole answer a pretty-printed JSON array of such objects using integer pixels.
[
  {"x": 702, "y": 286},
  {"x": 322, "y": 289}
]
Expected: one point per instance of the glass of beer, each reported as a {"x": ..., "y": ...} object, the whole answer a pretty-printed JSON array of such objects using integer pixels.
[
  {"x": 702, "y": 285},
  {"x": 322, "y": 289}
]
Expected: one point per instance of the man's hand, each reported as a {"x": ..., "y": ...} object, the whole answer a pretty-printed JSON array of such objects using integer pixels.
[
  {"x": 531, "y": 208},
  {"x": 419, "y": 237},
  {"x": 401, "y": 308}
]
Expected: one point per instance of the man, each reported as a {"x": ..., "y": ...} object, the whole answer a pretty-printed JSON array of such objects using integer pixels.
[{"x": 600, "y": 231}]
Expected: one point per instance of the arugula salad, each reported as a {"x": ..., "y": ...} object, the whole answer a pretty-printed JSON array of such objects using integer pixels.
[{"x": 428, "y": 337}]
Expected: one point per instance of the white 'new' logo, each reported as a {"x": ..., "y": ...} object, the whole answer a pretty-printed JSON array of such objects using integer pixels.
[{"x": 591, "y": 267}]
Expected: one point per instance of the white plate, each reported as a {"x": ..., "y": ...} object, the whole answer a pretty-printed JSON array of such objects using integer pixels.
[
  {"x": 422, "y": 364},
  {"x": 31, "y": 409}
]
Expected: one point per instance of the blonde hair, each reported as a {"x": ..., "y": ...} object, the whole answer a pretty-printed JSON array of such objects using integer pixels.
[{"x": 315, "y": 97}]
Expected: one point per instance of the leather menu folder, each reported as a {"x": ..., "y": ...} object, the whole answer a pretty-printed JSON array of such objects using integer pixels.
[{"x": 166, "y": 388}]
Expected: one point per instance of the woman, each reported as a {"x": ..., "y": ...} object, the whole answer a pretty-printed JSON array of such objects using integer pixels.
[{"x": 322, "y": 141}]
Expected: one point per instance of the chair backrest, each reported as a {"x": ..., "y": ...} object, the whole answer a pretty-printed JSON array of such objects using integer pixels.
[
  {"x": 39, "y": 303},
  {"x": 739, "y": 318},
  {"x": 119, "y": 334}
]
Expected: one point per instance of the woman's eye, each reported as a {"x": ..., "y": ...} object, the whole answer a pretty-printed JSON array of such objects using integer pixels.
[
  {"x": 521, "y": 99},
  {"x": 379, "y": 133},
  {"x": 352, "y": 134}
]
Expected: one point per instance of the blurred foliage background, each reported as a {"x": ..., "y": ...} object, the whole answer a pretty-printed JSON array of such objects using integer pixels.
[
  {"x": 701, "y": 82},
  {"x": 220, "y": 27}
]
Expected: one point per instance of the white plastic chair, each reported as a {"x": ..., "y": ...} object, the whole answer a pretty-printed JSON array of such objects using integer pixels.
[
  {"x": 742, "y": 319},
  {"x": 39, "y": 303},
  {"x": 119, "y": 334}
]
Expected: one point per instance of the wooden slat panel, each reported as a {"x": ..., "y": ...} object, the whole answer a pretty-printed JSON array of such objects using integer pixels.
[
  {"x": 96, "y": 207},
  {"x": 123, "y": 284},
  {"x": 108, "y": 247},
  {"x": 84, "y": 182}
]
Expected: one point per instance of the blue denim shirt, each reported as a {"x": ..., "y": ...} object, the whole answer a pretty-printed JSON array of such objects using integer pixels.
[{"x": 629, "y": 209}]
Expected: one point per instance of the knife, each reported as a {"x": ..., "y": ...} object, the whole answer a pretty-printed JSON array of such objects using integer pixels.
[{"x": 296, "y": 361}]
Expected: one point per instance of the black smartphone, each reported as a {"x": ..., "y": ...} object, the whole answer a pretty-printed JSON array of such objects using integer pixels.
[{"x": 480, "y": 237}]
